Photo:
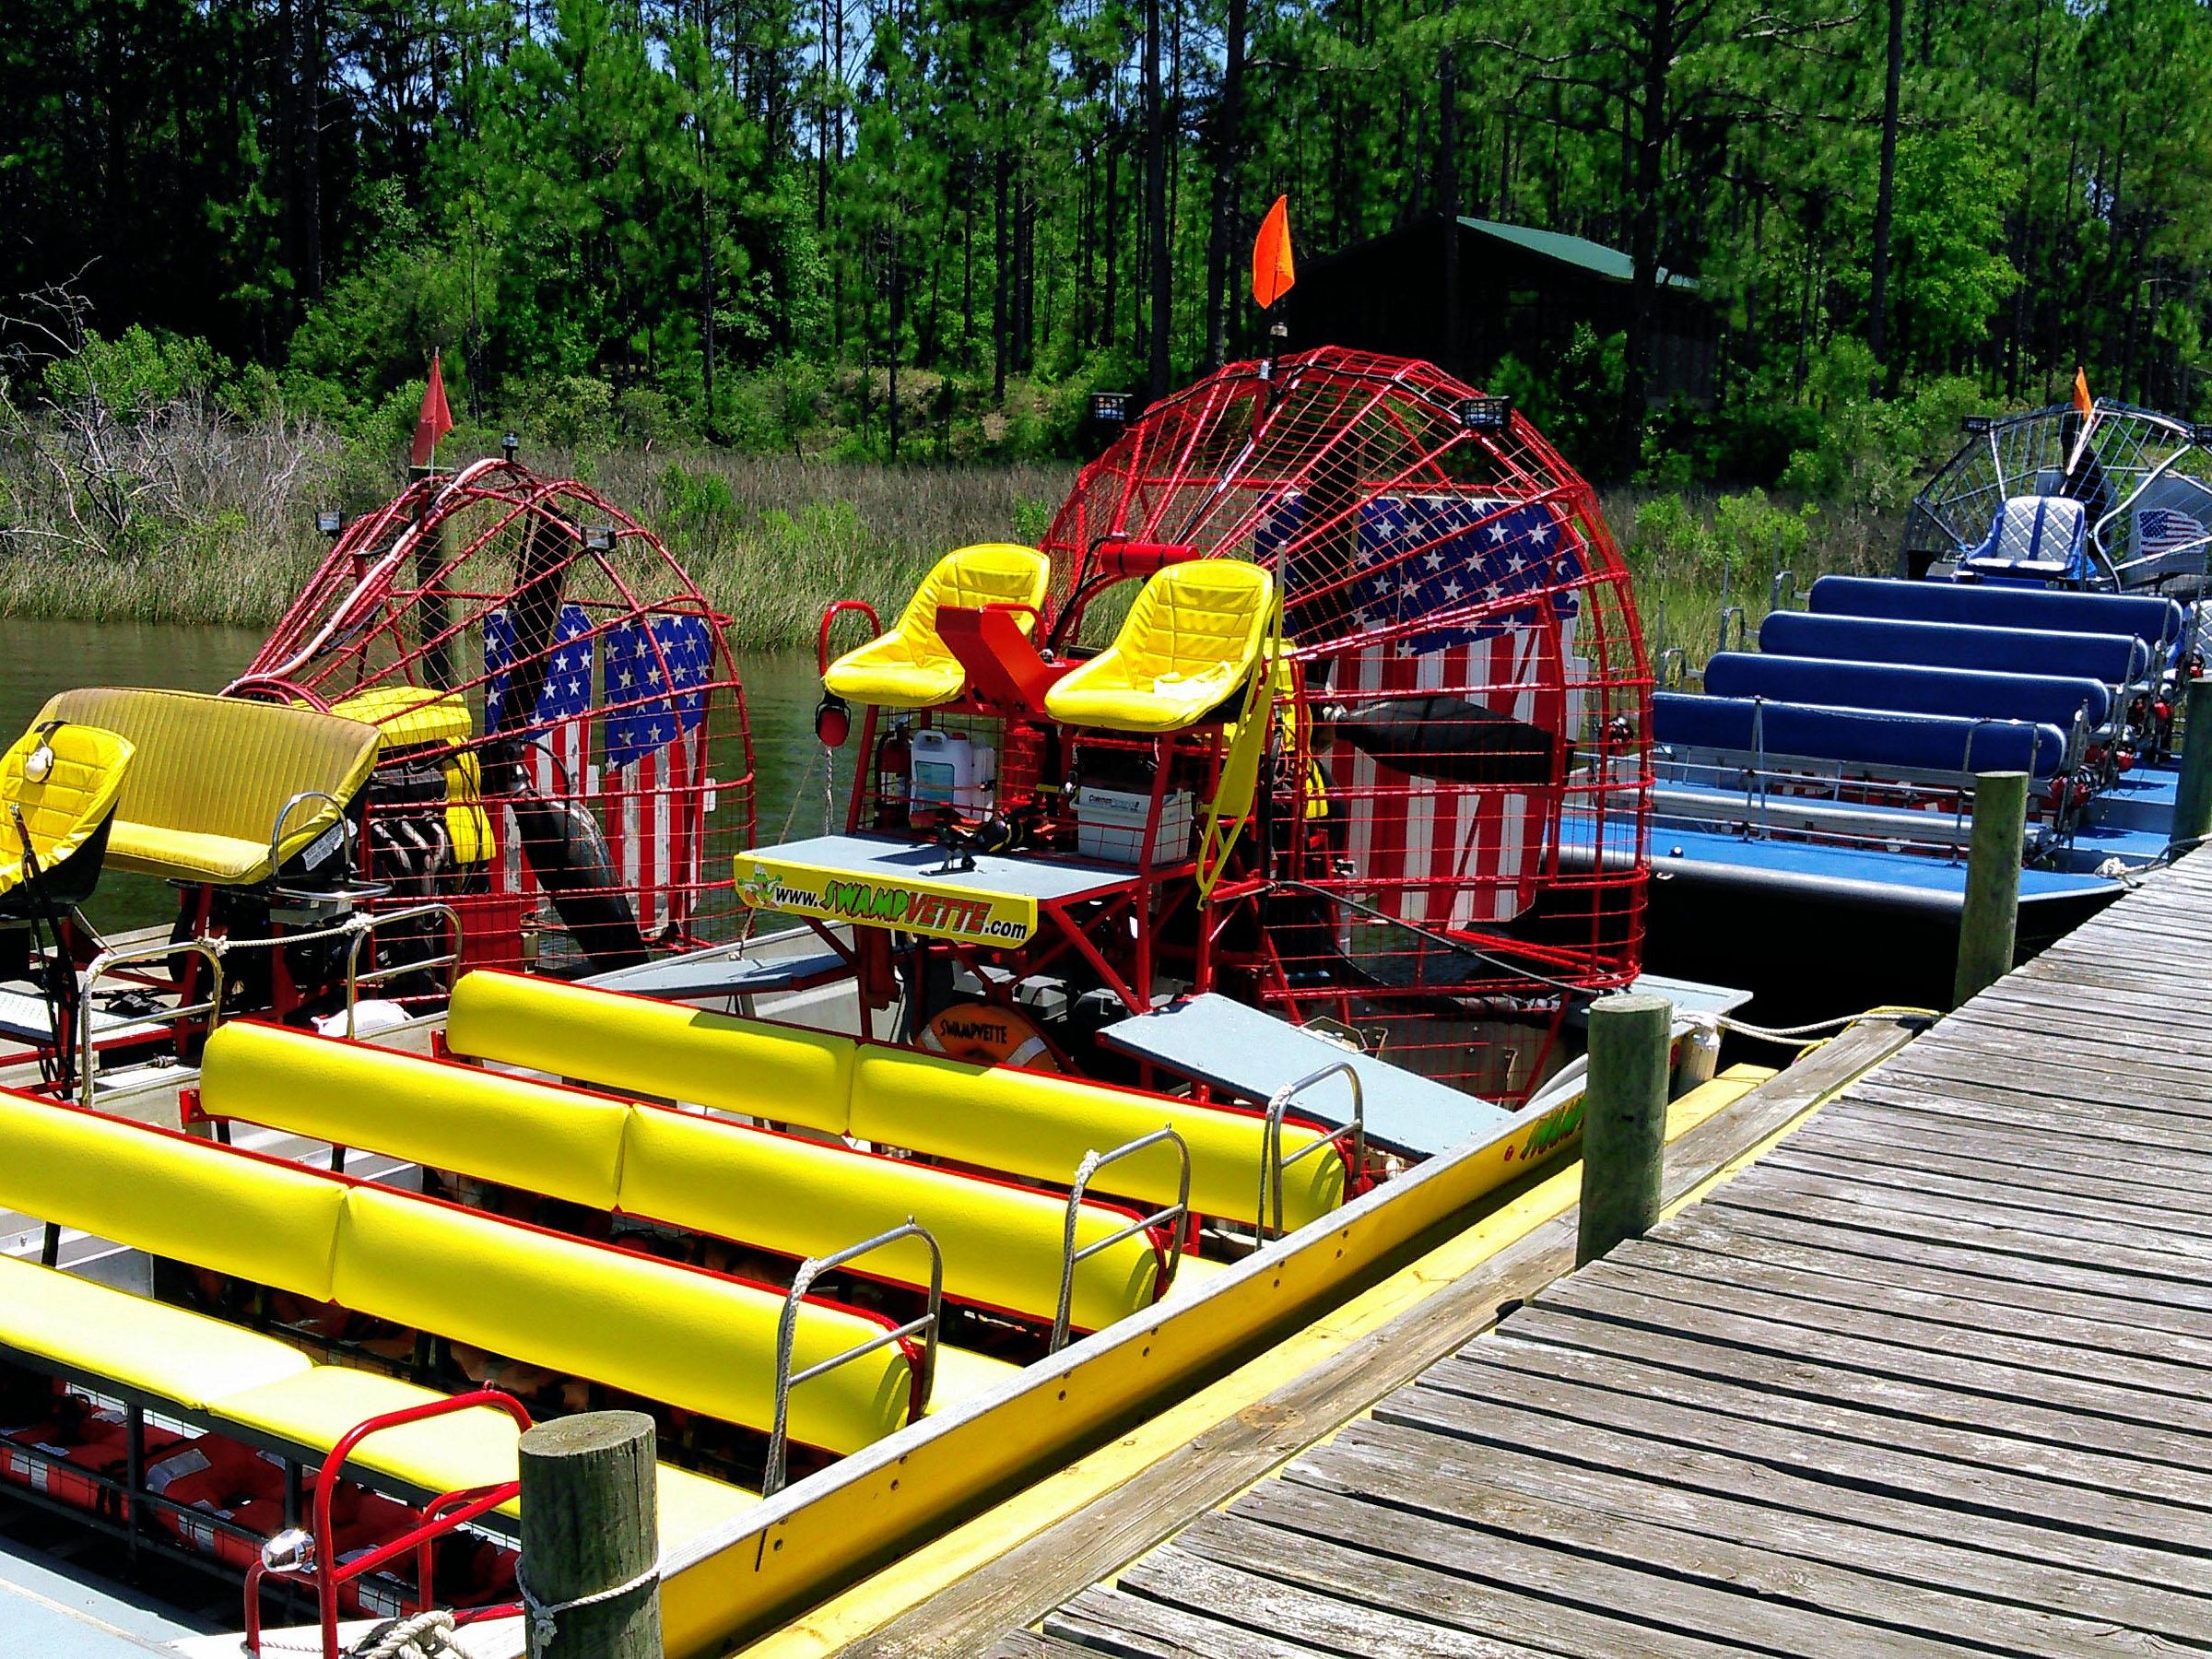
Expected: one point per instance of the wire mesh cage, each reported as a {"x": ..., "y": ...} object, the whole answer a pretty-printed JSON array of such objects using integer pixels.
[
  {"x": 1452, "y": 848},
  {"x": 564, "y": 755}
]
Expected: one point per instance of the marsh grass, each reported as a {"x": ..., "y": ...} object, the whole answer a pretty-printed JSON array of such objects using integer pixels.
[{"x": 189, "y": 515}]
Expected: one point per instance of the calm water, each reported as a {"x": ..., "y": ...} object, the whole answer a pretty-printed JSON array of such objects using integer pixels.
[{"x": 37, "y": 659}]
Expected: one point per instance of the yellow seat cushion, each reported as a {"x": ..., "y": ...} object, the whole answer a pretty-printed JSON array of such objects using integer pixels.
[
  {"x": 189, "y": 856},
  {"x": 558, "y": 1142},
  {"x": 632, "y": 1322},
  {"x": 1000, "y": 1243},
  {"x": 1191, "y": 639},
  {"x": 664, "y": 1049},
  {"x": 406, "y": 717},
  {"x": 448, "y": 1453},
  {"x": 1040, "y": 1126},
  {"x": 169, "y": 1195},
  {"x": 81, "y": 1328},
  {"x": 910, "y": 667},
  {"x": 62, "y": 809},
  {"x": 963, "y": 1375},
  {"x": 209, "y": 776}
]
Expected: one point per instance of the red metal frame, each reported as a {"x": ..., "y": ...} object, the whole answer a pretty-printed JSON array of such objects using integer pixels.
[
  {"x": 1456, "y": 818},
  {"x": 446, "y": 1513}
]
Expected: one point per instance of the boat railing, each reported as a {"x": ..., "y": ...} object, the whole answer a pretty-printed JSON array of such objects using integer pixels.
[
  {"x": 297, "y": 1554},
  {"x": 1272, "y": 1162},
  {"x": 928, "y": 1325},
  {"x": 1176, "y": 1215},
  {"x": 357, "y": 929},
  {"x": 116, "y": 959},
  {"x": 1765, "y": 794}
]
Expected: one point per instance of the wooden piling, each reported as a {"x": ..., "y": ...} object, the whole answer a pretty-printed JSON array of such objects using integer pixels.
[
  {"x": 1624, "y": 1120},
  {"x": 1990, "y": 917},
  {"x": 588, "y": 1526},
  {"x": 2192, "y": 794}
]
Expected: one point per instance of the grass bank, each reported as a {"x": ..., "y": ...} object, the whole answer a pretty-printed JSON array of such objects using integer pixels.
[{"x": 200, "y": 517}]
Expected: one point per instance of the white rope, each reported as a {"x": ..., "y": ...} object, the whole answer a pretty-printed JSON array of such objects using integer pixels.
[
  {"x": 1743, "y": 1028},
  {"x": 357, "y": 923},
  {"x": 544, "y": 1614},
  {"x": 420, "y": 1637}
]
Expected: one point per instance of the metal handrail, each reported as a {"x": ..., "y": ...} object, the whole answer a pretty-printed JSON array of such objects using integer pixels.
[
  {"x": 368, "y": 923},
  {"x": 285, "y": 812},
  {"x": 1272, "y": 1163},
  {"x": 787, "y": 1332},
  {"x": 1734, "y": 613},
  {"x": 283, "y": 1556},
  {"x": 1776, "y": 596},
  {"x": 1670, "y": 667},
  {"x": 1070, "y": 1257},
  {"x": 108, "y": 960}
]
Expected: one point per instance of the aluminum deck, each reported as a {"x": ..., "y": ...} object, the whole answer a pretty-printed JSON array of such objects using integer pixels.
[{"x": 1934, "y": 1374}]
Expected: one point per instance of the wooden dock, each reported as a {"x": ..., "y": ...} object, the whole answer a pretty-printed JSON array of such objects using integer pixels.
[{"x": 1933, "y": 1376}]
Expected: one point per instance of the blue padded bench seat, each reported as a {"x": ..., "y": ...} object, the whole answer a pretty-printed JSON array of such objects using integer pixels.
[
  {"x": 1889, "y": 690},
  {"x": 2153, "y": 620},
  {"x": 2116, "y": 659},
  {"x": 1855, "y": 736}
]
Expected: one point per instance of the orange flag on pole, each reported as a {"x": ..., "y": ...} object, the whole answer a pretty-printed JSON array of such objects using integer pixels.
[
  {"x": 2082, "y": 400},
  {"x": 435, "y": 421},
  {"x": 1272, "y": 270}
]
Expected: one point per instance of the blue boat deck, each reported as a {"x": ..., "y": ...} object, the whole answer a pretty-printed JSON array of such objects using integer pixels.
[{"x": 1933, "y": 1375}]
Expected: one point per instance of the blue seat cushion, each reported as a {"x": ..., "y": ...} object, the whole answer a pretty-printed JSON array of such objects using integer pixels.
[
  {"x": 1894, "y": 689},
  {"x": 2156, "y": 621},
  {"x": 1855, "y": 736},
  {"x": 2116, "y": 659}
]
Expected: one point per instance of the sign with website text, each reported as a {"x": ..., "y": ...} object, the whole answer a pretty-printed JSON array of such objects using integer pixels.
[{"x": 938, "y": 910}]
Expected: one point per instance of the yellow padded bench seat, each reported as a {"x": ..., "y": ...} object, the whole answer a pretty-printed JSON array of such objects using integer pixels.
[
  {"x": 1000, "y": 1243},
  {"x": 692, "y": 1339},
  {"x": 231, "y": 1378},
  {"x": 439, "y": 1455},
  {"x": 1024, "y": 1123},
  {"x": 79, "y": 1326},
  {"x": 910, "y": 667},
  {"x": 209, "y": 774}
]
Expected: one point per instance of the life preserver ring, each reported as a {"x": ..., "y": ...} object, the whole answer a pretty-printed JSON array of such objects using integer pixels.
[{"x": 987, "y": 1034}]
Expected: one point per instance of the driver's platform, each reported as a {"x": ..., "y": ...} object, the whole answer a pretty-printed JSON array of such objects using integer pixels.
[{"x": 918, "y": 886}]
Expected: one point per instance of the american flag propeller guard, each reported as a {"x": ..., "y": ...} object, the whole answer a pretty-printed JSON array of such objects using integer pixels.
[
  {"x": 565, "y": 755},
  {"x": 1454, "y": 845}
]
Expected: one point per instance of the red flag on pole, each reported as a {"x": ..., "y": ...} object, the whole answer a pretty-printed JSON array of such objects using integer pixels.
[
  {"x": 2082, "y": 400},
  {"x": 435, "y": 421},
  {"x": 1273, "y": 271}
]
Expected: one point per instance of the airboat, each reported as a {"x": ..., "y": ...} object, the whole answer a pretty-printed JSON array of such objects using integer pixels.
[
  {"x": 1818, "y": 796},
  {"x": 1219, "y": 887}
]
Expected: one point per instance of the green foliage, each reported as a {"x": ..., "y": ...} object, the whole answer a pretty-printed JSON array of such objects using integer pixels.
[
  {"x": 639, "y": 222},
  {"x": 140, "y": 370},
  {"x": 1873, "y": 452}
]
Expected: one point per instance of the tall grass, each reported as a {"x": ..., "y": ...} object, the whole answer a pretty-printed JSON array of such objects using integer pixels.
[{"x": 188, "y": 514}]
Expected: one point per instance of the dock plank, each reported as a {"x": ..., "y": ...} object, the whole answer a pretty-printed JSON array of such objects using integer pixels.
[
  {"x": 1406, "y": 1475},
  {"x": 1936, "y": 1562},
  {"x": 1933, "y": 1373}
]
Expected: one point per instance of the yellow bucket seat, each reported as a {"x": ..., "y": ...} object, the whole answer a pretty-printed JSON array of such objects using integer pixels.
[
  {"x": 909, "y": 667},
  {"x": 65, "y": 779},
  {"x": 1192, "y": 638}
]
